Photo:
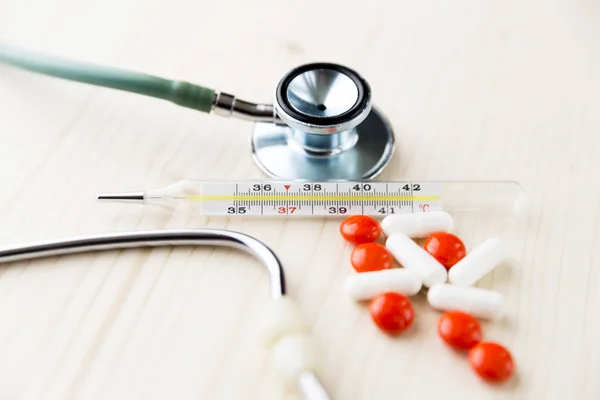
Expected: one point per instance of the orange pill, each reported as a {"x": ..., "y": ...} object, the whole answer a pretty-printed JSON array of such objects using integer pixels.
[
  {"x": 492, "y": 361},
  {"x": 368, "y": 257},
  {"x": 360, "y": 229}
]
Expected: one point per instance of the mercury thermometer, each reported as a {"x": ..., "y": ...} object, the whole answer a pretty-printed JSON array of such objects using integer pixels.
[{"x": 297, "y": 198}]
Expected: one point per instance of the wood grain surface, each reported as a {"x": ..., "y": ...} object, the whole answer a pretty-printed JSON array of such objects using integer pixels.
[{"x": 475, "y": 90}]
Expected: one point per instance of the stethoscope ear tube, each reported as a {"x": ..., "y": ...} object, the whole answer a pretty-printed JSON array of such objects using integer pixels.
[
  {"x": 284, "y": 335},
  {"x": 182, "y": 93}
]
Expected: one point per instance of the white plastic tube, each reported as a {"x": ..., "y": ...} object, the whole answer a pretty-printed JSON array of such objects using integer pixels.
[
  {"x": 281, "y": 318},
  {"x": 291, "y": 356},
  {"x": 285, "y": 336}
]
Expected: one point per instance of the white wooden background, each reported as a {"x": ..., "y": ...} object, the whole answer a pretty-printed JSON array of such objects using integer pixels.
[{"x": 475, "y": 89}]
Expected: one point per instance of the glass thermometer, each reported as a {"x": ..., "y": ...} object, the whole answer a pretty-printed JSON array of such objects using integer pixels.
[{"x": 329, "y": 198}]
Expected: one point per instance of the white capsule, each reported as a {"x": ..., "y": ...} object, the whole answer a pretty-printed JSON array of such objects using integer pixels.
[
  {"x": 481, "y": 303},
  {"x": 292, "y": 355},
  {"x": 417, "y": 225},
  {"x": 412, "y": 257},
  {"x": 366, "y": 285},
  {"x": 477, "y": 263}
]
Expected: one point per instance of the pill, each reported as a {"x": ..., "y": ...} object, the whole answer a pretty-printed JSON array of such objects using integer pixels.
[
  {"x": 447, "y": 248},
  {"x": 414, "y": 258},
  {"x": 366, "y": 285},
  {"x": 371, "y": 257},
  {"x": 492, "y": 361},
  {"x": 477, "y": 263},
  {"x": 460, "y": 330},
  {"x": 417, "y": 225},
  {"x": 359, "y": 229},
  {"x": 481, "y": 303},
  {"x": 392, "y": 312}
]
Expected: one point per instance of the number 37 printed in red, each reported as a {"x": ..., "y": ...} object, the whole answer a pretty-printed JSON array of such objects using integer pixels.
[{"x": 286, "y": 210}]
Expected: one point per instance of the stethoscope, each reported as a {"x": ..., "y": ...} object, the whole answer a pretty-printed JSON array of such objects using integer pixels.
[
  {"x": 283, "y": 346},
  {"x": 322, "y": 124}
]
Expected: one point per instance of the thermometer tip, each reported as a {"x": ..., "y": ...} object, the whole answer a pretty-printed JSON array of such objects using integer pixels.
[{"x": 133, "y": 197}]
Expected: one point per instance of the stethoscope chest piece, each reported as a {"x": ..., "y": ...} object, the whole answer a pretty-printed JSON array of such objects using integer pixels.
[{"x": 326, "y": 127}]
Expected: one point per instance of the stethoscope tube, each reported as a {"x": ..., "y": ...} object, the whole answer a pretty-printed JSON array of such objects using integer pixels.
[
  {"x": 155, "y": 238},
  {"x": 309, "y": 384},
  {"x": 182, "y": 93}
]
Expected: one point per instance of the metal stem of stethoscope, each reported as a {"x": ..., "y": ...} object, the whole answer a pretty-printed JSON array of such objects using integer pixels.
[{"x": 308, "y": 382}]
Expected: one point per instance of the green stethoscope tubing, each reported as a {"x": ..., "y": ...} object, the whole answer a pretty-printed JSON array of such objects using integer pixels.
[{"x": 181, "y": 93}]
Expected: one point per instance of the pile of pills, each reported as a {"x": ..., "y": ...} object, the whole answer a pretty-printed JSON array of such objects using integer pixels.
[{"x": 443, "y": 266}]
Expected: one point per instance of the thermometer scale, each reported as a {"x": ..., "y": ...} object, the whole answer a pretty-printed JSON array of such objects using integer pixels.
[{"x": 328, "y": 198}]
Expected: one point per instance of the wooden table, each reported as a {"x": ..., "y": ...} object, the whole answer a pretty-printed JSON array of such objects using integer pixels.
[{"x": 475, "y": 90}]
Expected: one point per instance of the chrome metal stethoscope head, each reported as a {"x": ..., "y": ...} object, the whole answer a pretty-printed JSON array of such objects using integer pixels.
[
  {"x": 322, "y": 98},
  {"x": 326, "y": 127}
]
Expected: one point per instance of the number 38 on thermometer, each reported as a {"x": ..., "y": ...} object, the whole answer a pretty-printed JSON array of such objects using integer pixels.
[{"x": 330, "y": 198}]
